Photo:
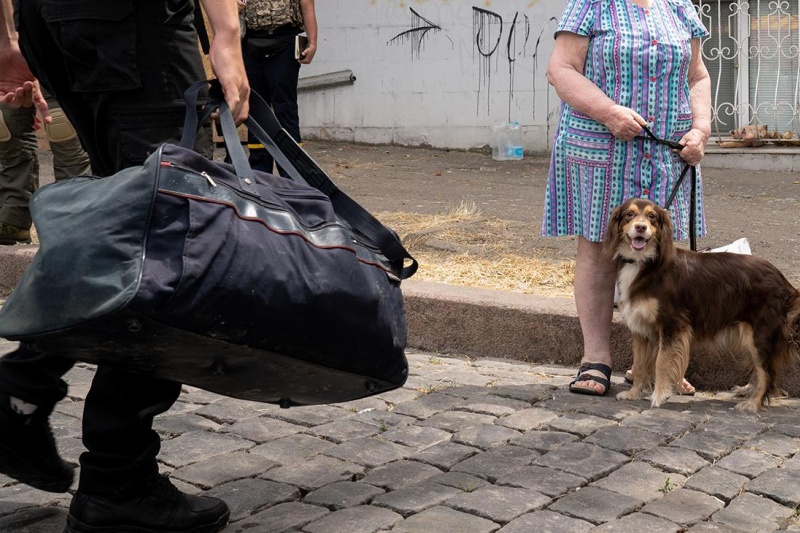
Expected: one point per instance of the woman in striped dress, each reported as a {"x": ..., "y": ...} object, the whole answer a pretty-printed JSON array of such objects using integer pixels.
[{"x": 618, "y": 65}]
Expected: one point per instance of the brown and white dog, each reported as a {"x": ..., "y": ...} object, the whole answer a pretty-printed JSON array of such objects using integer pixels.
[{"x": 671, "y": 297}]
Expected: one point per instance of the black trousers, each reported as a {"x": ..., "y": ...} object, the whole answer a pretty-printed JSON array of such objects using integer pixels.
[
  {"x": 119, "y": 70},
  {"x": 274, "y": 78}
]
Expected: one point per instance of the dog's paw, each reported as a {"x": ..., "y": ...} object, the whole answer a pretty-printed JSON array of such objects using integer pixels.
[
  {"x": 628, "y": 395},
  {"x": 743, "y": 390},
  {"x": 748, "y": 405},
  {"x": 657, "y": 399}
]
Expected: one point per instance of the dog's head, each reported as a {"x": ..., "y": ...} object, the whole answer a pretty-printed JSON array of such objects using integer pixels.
[{"x": 639, "y": 230}]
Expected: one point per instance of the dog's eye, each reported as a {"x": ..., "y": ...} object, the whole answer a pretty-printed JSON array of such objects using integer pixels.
[
  {"x": 652, "y": 217},
  {"x": 629, "y": 214}
]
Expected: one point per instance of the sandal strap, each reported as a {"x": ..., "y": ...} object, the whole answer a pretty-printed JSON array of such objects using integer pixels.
[{"x": 583, "y": 376}]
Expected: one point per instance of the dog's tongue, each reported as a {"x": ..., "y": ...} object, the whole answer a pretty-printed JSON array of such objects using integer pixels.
[{"x": 638, "y": 243}]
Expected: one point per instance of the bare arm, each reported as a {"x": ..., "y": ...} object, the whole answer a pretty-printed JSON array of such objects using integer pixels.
[
  {"x": 18, "y": 86},
  {"x": 565, "y": 73},
  {"x": 310, "y": 22},
  {"x": 225, "y": 55},
  {"x": 700, "y": 99}
]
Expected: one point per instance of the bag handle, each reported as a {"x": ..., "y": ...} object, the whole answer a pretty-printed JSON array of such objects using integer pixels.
[
  {"x": 191, "y": 124},
  {"x": 296, "y": 163}
]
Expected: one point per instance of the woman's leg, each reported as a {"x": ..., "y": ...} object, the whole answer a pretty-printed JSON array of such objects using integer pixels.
[{"x": 594, "y": 300}]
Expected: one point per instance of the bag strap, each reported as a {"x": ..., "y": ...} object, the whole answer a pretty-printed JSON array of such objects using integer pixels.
[
  {"x": 191, "y": 124},
  {"x": 297, "y": 164},
  {"x": 693, "y": 195}
]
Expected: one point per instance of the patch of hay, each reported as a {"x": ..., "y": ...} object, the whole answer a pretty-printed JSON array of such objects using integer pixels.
[{"x": 463, "y": 248}]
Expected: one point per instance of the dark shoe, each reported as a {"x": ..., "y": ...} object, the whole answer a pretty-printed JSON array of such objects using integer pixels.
[
  {"x": 14, "y": 234},
  {"x": 160, "y": 508},
  {"x": 28, "y": 450},
  {"x": 577, "y": 384}
]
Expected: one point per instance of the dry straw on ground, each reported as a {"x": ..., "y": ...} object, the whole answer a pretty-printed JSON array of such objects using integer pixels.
[{"x": 464, "y": 248}]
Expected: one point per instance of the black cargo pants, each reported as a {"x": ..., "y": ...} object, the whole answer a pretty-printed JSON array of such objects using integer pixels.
[{"x": 119, "y": 70}]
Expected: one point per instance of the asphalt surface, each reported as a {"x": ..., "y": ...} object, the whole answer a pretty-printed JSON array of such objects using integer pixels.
[{"x": 479, "y": 444}]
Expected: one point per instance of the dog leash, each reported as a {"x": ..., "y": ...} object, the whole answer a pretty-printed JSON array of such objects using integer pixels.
[{"x": 693, "y": 196}]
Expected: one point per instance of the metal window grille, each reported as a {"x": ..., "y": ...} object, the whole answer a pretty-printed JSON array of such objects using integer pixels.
[{"x": 752, "y": 57}]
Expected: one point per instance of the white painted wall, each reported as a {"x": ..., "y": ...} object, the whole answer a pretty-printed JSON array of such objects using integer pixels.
[{"x": 432, "y": 87}]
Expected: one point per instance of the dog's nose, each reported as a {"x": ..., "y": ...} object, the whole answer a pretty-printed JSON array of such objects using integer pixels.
[{"x": 640, "y": 228}]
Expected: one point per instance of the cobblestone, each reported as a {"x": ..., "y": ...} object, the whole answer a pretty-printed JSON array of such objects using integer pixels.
[
  {"x": 778, "y": 484},
  {"x": 399, "y": 474},
  {"x": 684, "y": 506},
  {"x": 415, "y": 499},
  {"x": 547, "y": 522},
  {"x": 342, "y": 495},
  {"x": 749, "y": 512},
  {"x": 717, "y": 482},
  {"x": 595, "y": 505},
  {"x": 748, "y": 463},
  {"x": 498, "y": 504}
]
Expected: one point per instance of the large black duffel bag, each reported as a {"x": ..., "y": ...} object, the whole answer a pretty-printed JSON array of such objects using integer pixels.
[{"x": 239, "y": 282}]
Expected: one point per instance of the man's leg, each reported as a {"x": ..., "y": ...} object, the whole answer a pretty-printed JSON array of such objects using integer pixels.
[
  {"x": 257, "y": 72},
  {"x": 69, "y": 157},
  {"x": 19, "y": 171},
  {"x": 128, "y": 103},
  {"x": 275, "y": 78},
  {"x": 30, "y": 386}
]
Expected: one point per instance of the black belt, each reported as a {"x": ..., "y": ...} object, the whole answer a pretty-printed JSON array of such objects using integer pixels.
[{"x": 693, "y": 196}]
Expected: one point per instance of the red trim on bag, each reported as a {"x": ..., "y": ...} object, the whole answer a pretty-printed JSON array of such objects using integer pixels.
[{"x": 226, "y": 204}]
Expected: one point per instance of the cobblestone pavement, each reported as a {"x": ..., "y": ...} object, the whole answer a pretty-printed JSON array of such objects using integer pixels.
[{"x": 466, "y": 446}]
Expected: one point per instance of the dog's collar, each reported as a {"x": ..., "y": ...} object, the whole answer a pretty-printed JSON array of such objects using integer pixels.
[{"x": 627, "y": 261}]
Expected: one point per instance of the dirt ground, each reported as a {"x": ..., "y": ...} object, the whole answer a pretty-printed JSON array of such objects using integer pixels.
[{"x": 478, "y": 220}]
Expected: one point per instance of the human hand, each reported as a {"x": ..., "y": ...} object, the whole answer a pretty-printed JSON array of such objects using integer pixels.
[
  {"x": 694, "y": 146},
  {"x": 623, "y": 122},
  {"x": 240, "y": 4},
  {"x": 18, "y": 86},
  {"x": 308, "y": 54}
]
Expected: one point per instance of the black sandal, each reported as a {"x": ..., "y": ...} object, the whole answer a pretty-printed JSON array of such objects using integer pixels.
[{"x": 583, "y": 376}]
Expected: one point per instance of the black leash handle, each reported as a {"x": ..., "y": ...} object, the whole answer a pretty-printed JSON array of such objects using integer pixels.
[{"x": 693, "y": 196}]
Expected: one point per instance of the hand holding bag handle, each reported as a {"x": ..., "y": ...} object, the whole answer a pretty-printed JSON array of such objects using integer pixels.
[{"x": 296, "y": 163}]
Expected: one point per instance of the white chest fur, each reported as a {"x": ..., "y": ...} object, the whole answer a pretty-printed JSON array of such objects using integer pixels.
[{"x": 639, "y": 311}]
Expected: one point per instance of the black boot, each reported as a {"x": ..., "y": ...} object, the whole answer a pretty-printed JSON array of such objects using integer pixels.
[
  {"x": 28, "y": 450},
  {"x": 158, "y": 507}
]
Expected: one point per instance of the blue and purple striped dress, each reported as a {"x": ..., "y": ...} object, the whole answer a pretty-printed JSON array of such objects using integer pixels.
[{"x": 640, "y": 58}]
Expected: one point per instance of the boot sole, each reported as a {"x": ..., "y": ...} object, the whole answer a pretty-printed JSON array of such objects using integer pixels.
[
  {"x": 76, "y": 526},
  {"x": 15, "y": 466}
]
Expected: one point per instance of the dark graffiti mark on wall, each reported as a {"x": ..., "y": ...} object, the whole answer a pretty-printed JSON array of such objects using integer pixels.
[
  {"x": 420, "y": 27},
  {"x": 484, "y": 24},
  {"x": 488, "y": 29},
  {"x": 515, "y": 41},
  {"x": 535, "y": 69}
]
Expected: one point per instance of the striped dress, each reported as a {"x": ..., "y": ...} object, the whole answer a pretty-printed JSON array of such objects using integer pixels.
[{"x": 640, "y": 58}]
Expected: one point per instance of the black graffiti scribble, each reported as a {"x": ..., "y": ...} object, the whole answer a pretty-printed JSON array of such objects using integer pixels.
[
  {"x": 482, "y": 23},
  {"x": 420, "y": 27},
  {"x": 535, "y": 69},
  {"x": 512, "y": 54}
]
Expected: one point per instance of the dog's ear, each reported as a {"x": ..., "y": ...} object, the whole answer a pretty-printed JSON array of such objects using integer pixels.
[
  {"x": 611, "y": 239},
  {"x": 666, "y": 242}
]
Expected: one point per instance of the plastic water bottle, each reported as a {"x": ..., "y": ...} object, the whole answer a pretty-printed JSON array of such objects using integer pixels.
[{"x": 507, "y": 142}]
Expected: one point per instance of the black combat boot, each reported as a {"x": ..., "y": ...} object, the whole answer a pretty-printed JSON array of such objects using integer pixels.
[
  {"x": 28, "y": 450},
  {"x": 156, "y": 506}
]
